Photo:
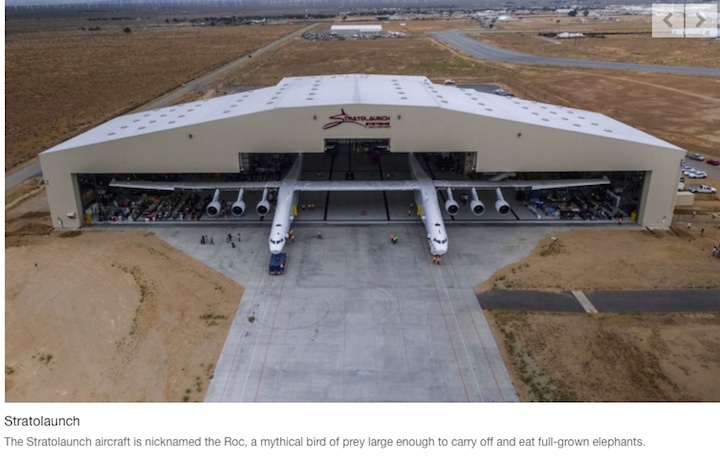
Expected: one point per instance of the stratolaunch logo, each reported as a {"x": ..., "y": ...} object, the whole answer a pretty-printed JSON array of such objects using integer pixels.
[{"x": 369, "y": 122}]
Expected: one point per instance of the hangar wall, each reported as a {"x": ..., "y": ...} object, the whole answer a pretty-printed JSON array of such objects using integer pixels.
[{"x": 501, "y": 144}]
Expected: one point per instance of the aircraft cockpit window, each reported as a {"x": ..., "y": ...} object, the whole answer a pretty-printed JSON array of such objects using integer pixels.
[
  {"x": 437, "y": 224},
  {"x": 277, "y": 241}
]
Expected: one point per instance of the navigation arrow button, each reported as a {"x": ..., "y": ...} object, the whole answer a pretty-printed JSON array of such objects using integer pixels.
[
  {"x": 669, "y": 24},
  {"x": 702, "y": 19}
]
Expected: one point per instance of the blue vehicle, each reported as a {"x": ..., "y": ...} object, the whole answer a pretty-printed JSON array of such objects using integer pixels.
[{"x": 277, "y": 263}]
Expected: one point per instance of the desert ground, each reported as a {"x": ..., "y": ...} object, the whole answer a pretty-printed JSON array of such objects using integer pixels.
[
  {"x": 106, "y": 316},
  {"x": 167, "y": 326}
]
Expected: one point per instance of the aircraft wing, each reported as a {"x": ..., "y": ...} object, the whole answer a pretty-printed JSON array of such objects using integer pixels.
[
  {"x": 521, "y": 184},
  {"x": 358, "y": 185},
  {"x": 175, "y": 186}
]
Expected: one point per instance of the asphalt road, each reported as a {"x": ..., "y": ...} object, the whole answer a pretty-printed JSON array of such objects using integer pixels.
[
  {"x": 641, "y": 301},
  {"x": 482, "y": 50},
  {"x": 17, "y": 177}
]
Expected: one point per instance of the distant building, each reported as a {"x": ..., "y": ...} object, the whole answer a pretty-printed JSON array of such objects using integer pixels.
[{"x": 360, "y": 31}]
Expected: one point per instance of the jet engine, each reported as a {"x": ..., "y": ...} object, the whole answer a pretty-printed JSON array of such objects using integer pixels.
[
  {"x": 263, "y": 206},
  {"x": 238, "y": 207},
  {"x": 501, "y": 205},
  {"x": 213, "y": 209},
  {"x": 477, "y": 206},
  {"x": 451, "y": 205}
]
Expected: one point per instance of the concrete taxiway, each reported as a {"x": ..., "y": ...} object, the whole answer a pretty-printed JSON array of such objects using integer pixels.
[{"x": 356, "y": 318}]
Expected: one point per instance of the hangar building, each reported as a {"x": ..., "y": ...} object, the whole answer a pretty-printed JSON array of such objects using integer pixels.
[
  {"x": 362, "y": 31},
  {"x": 459, "y": 132}
]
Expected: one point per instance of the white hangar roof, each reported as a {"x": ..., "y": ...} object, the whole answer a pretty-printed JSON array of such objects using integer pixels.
[
  {"x": 360, "y": 89},
  {"x": 359, "y": 28}
]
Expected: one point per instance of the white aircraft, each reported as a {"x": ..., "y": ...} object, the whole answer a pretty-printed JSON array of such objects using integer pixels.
[{"x": 424, "y": 188}]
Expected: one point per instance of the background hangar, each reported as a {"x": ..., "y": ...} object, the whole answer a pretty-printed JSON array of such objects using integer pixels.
[{"x": 402, "y": 114}]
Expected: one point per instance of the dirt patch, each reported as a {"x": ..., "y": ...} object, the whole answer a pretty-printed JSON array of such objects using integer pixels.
[
  {"x": 613, "y": 357},
  {"x": 616, "y": 259},
  {"x": 109, "y": 316},
  {"x": 610, "y": 357}
]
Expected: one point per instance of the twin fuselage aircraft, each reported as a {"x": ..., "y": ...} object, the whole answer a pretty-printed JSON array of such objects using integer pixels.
[{"x": 423, "y": 187}]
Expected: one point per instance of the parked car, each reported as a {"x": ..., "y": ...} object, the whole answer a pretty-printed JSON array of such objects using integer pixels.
[
  {"x": 696, "y": 174},
  {"x": 696, "y": 156},
  {"x": 702, "y": 189},
  {"x": 713, "y": 162}
]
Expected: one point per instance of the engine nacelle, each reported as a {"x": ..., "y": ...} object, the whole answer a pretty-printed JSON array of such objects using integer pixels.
[
  {"x": 501, "y": 205},
  {"x": 263, "y": 206},
  {"x": 238, "y": 207},
  {"x": 213, "y": 209},
  {"x": 477, "y": 206},
  {"x": 451, "y": 206}
]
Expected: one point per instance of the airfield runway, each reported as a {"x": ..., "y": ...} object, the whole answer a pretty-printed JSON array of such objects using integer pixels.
[
  {"x": 462, "y": 42},
  {"x": 356, "y": 318}
]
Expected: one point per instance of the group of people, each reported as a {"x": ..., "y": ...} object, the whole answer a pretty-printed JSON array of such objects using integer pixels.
[
  {"x": 229, "y": 238},
  {"x": 310, "y": 207}
]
